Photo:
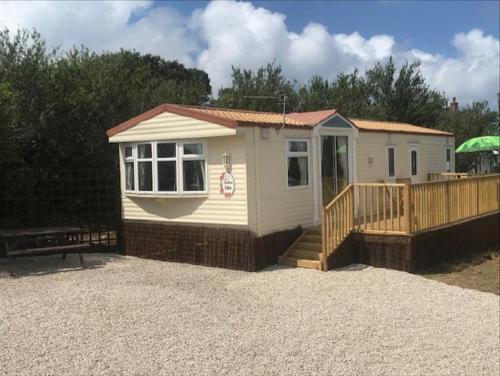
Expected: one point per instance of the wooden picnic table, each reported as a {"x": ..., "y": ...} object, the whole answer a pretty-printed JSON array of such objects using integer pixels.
[{"x": 64, "y": 239}]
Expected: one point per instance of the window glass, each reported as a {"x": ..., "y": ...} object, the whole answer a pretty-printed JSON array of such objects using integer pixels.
[
  {"x": 166, "y": 150},
  {"x": 128, "y": 151},
  {"x": 167, "y": 176},
  {"x": 129, "y": 176},
  {"x": 297, "y": 146},
  {"x": 297, "y": 171},
  {"x": 145, "y": 175},
  {"x": 341, "y": 162},
  {"x": 390, "y": 152},
  {"x": 413, "y": 162},
  {"x": 448, "y": 160},
  {"x": 194, "y": 175},
  {"x": 193, "y": 149},
  {"x": 144, "y": 151}
]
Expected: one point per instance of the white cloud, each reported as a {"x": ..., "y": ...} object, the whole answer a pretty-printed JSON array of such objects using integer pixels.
[
  {"x": 104, "y": 26},
  {"x": 473, "y": 74},
  {"x": 226, "y": 33}
]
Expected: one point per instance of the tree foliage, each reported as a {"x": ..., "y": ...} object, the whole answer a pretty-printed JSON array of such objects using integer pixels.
[
  {"x": 267, "y": 81},
  {"x": 55, "y": 107}
]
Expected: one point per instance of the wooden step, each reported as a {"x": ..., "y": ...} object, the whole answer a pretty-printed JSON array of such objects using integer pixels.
[
  {"x": 304, "y": 254},
  {"x": 301, "y": 263},
  {"x": 308, "y": 246},
  {"x": 311, "y": 238},
  {"x": 313, "y": 231}
]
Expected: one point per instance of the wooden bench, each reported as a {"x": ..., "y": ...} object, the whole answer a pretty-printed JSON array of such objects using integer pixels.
[
  {"x": 59, "y": 249},
  {"x": 44, "y": 241}
]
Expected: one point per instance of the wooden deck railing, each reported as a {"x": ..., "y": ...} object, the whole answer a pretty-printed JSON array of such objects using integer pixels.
[
  {"x": 444, "y": 202},
  {"x": 379, "y": 207},
  {"x": 337, "y": 220},
  {"x": 405, "y": 208},
  {"x": 452, "y": 175}
]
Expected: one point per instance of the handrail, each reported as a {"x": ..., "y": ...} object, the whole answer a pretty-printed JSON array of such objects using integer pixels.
[
  {"x": 337, "y": 221},
  {"x": 329, "y": 205}
]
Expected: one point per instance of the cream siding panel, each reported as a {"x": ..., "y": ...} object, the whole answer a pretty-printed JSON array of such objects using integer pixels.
[
  {"x": 432, "y": 155},
  {"x": 281, "y": 207},
  {"x": 168, "y": 126},
  {"x": 214, "y": 209}
]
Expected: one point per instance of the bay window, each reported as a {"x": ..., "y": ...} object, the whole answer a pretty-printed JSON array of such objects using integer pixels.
[
  {"x": 298, "y": 162},
  {"x": 165, "y": 167}
]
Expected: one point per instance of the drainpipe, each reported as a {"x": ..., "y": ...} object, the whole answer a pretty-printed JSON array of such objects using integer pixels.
[{"x": 256, "y": 131}]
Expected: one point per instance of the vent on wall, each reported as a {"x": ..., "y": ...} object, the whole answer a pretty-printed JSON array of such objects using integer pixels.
[{"x": 265, "y": 133}]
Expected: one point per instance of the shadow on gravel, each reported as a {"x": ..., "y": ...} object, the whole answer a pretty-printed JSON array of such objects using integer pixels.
[{"x": 44, "y": 265}]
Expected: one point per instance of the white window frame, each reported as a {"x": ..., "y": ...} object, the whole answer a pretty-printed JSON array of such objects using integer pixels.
[
  {"x": 393, "y": 147},
  {"x": 291, "y": 154},
  {"x": 166, "y": 159},
  {"x": 191, "y": 157},
  {"x": 179, "y": 158},
  {"x": 136, "y": 166},
  {"x": 448, "y": 164},
  {"x": 128, "y": 160}
]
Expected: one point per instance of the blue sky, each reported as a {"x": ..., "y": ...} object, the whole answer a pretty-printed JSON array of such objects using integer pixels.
[
  {"x": 457, "y": 42},
  {"x": 426, "y": 25}
]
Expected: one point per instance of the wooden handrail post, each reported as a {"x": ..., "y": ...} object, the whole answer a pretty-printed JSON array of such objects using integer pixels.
[
  {"x": 477, "y": 196},
  {"x": 324, "y": 246},
  {"x": 407, "y": 207},
  {"x": 447, "y": 202}
]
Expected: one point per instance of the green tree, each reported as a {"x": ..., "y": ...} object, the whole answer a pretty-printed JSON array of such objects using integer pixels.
[
  {"x": 470, "y": 121},
  {"x": 267, "y": 81},
  {"x": 56, "y": 106}
]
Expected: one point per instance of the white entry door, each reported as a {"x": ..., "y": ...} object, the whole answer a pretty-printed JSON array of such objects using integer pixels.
[{"x": 414, "y": 163}]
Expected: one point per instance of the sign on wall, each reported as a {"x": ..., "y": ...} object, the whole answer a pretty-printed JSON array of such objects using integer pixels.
[{"x": 227, "y": 184}]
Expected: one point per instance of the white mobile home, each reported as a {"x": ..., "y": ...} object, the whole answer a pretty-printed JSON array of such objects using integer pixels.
[{"x": 230, "y": 187}]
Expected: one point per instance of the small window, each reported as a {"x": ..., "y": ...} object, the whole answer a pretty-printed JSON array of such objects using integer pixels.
[
  {"x": 145, "y": 167},
  {"x": 193, "y": 167},
  {"x": 413, "y": 163},
  {"x": 448, "y": 159},
  {"x": 166, "y": 165},
  {"x": 129, "y": 169},
  {"x": 298, "y": 163},
  {"x": 390, "y": 161}
]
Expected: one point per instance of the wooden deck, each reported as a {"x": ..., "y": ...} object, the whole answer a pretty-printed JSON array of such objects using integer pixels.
[
  {"x": 397, "y": 209},
  {"x": 406, "y": 208}
]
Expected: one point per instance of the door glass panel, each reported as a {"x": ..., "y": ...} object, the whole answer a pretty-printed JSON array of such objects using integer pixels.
[
  {"x": 334, "y": 166},
  {"x": 327, "y": 168},
  {"x": 342, "y": 168}
]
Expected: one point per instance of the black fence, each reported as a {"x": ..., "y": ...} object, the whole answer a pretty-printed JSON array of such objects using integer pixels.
[{"x": 86, "y": 198}]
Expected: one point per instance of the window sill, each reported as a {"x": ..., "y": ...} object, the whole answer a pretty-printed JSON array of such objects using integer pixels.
[{"x": 166, "y": 195}]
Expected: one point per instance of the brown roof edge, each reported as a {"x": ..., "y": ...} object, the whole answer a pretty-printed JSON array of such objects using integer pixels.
[
  {"x": 175, "y": 109},
  {"x": 443, "y": 133}
]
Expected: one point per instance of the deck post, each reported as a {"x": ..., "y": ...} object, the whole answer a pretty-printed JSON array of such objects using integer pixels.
[
  {"x": 407, "y": 207},
  {"x": 447, "y": 201},
  {"x": 324, "y": 252}
]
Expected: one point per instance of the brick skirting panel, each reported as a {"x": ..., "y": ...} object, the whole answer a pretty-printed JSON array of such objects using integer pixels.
[
  {"x": 421, "y": 250},
  {"x": 210, "y": 246}
]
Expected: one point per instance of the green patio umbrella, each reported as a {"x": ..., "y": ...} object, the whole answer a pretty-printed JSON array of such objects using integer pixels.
[{"x": 482, "y": 143}]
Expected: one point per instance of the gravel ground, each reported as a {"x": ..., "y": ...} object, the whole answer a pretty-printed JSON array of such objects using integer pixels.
[{"x": 127, "y": 316}]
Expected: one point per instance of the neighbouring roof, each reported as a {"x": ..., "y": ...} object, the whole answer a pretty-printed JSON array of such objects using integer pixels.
[
  {"x": 388, "y": 126},
  {"x": 232, "y": 118}
]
